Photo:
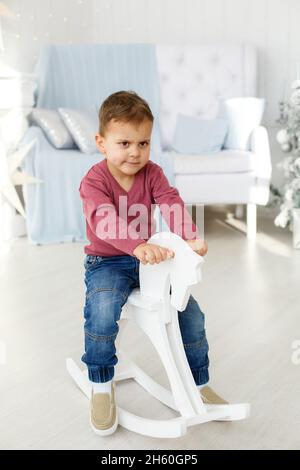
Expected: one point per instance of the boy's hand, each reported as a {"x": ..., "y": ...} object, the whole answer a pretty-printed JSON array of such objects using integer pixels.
[
  {"x": 199, "y": 246},
  {"x": 150, "y": 253}
]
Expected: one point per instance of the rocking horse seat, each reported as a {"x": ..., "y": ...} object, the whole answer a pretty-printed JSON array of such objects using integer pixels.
[
  {"x": 155, "y": 310},
  {"x": 137, "y": 300}
]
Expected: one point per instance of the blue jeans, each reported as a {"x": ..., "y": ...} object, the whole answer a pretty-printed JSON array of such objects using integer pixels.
[{"x": 109, "y": 281}]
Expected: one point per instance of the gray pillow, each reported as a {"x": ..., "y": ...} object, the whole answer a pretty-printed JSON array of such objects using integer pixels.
[
  {"x": 53, "y": 126},
  {"x": 83, "y": 126}
]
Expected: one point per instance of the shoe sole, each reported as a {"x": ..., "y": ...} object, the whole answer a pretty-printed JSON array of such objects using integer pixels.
[{"x": 105, "y": 432}]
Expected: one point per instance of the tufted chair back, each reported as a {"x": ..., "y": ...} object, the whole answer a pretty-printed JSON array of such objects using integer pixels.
[{"x": 194, "y": 78}]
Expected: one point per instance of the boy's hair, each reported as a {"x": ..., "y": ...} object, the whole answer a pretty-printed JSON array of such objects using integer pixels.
[{"x": 123, "y": 106}]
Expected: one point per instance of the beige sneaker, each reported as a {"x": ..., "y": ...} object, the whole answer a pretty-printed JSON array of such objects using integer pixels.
[
  {"x": 103, "y": 413},
  {"x": 209, "y": 397}
]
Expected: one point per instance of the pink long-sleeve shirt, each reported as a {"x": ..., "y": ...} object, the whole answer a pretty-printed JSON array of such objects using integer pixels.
[{"x": 117, "y": 221}]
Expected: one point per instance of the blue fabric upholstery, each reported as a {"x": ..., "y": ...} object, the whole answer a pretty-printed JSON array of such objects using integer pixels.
[
  {"x": 53, "y": 207},
  {"x": 79, "y": 77},
  {"x": 83, "y": 76}
]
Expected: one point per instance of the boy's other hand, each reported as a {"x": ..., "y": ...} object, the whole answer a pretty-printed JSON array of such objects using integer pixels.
[
  {"x": 199, "y": 246},
  {"x": 150, "y": 253}
]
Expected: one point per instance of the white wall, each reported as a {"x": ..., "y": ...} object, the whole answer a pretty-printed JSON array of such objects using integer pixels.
[{"x": 272, "y": 25}]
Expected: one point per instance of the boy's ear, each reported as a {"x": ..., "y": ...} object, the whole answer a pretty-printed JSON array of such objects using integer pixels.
[{"x": 100, "y": 142}]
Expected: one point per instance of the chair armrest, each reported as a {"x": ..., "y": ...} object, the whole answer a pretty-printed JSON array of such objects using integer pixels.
[
  {"x": 164, "y": 158},
  {"x": 259, "y": 145},
  {"x": 35, "y": 132}
]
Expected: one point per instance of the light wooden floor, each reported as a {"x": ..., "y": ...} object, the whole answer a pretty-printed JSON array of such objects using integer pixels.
[{"x": 251, "y": 298}]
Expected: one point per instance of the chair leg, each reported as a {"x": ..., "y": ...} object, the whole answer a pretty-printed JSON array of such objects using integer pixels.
[
  {"x": 194, "y": 213},
  {"x": 239, "y": 211},
  {"x": 251, "y": 221}
]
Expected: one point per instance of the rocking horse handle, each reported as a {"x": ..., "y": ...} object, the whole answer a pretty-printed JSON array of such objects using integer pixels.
[{"x": 181, "y": 272}]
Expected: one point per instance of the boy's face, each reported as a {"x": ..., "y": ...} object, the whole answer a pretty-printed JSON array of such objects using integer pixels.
[{"x": 126, "y": 146}]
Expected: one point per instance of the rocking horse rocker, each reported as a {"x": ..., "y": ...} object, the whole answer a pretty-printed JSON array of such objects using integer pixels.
[{"x": 154, "y": 309}]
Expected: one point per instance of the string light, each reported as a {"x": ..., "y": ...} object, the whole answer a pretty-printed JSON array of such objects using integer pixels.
[{"x": 20, "y": 16}]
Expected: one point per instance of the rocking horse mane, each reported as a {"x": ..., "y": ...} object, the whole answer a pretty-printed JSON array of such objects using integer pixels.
[{"x": 180, "y": 272}]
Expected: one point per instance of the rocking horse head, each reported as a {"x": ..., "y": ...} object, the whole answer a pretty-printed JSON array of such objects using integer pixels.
[{"x": 180, "y": 272}]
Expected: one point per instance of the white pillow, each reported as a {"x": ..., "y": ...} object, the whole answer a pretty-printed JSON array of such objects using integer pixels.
[
  {"x": 243, "y": 114},
  {"x": 55, "y": 130},
  {"x": 83, "y": 126}
]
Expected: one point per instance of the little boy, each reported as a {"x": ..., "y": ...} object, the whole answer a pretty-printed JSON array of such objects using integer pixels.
[{"x": 124, "y": 180}]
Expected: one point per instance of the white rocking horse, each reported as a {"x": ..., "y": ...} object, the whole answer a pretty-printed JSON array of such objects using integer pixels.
[{"x": 154, "y": 309}]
